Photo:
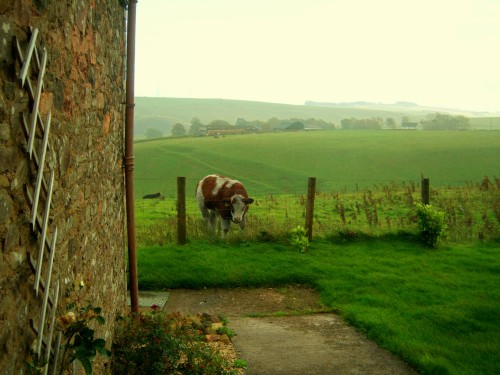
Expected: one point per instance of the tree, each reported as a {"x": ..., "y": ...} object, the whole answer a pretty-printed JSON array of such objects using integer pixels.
[
  {"x": 178, "y": 130},
  {"x": 463, "y": 122},
  {"x": 196, "y": 126},
  {"x": 363, "y": 124},
  {"x": 271, "y": 124},
  {"x": 377, "y": 122},
  {"x": 196, "y": 121},
  {"x": 444, "y": 121},
  {"x": 405, "y": 120},
  {"x": 266, "y": 128},
  {"x": 296, "y": 125},
  {"x": 241, "y": 122},
  {"x": 219, "y": 125},
  {"x": 390, "y": 123},
  {"x": 348, "y": 123}
]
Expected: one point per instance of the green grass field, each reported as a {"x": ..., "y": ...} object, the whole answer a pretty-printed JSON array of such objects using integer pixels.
[
  {"x": 471, "y": 212},
  {"x": 359, "y": 174},
  {"x": 485, "y": 123},
  {"x": 340, "y": 160},
  {"x": 435, "y": 308}
]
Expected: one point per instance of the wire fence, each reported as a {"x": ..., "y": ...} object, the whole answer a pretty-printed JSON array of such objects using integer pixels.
[{"x": 472, "y": 210}]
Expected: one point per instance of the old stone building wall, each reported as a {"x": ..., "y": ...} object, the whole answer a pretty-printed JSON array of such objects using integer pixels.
[{"x": 84, "y": 90}]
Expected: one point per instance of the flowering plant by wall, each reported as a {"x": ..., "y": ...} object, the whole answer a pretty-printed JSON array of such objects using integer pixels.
[{"x": 80, "y": 343}]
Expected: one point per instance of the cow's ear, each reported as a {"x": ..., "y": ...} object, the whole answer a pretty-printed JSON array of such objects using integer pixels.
[
  {"x": 249, "y": 201},
  {"x": 227, "y": 202}
]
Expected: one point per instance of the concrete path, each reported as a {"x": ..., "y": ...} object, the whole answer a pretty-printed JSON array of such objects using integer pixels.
[{"x": 313, "y": 344}]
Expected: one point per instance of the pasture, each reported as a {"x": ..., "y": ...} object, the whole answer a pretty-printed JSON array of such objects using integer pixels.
[
  {"x": 435, "y": 308},
  {"x": 472, "y": 212},
  {"x": 280, "y": 163},
  {"x": 367, "y": 181}
]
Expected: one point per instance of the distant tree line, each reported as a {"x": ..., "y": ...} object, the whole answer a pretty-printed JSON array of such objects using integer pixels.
[
  {"x": 434, "y": 121},
  {"x": 362, "y": 124},
  {"x": 197, "y": 128},
  {"x": 442, "y": 121}
]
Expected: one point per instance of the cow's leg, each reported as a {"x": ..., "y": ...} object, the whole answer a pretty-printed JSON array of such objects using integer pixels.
[
  {"x": 242, "y": 224},
  {"x": 209, "y": 218},
  {"x": 224, "y": 224},
  {"x": 212, "y": 221}
]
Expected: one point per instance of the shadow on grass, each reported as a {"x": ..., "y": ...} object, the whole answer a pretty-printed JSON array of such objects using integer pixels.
[{"x": 350, "y": 236}]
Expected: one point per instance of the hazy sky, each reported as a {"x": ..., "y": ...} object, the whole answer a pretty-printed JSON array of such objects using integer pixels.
[{"x": 443, "y": 53}]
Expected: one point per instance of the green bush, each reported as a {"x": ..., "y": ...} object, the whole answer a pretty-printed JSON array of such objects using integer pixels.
[
  {"x": 299, "y": 239},
  {"x": 431, "y": 223},
  {"x": 159, "y": 343}
]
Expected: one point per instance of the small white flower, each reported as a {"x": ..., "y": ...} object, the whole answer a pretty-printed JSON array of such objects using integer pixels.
[{"x": 34, "y": 345}]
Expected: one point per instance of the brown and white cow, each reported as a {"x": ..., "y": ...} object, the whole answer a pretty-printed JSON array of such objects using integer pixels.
[{"x": 223, "y": 196}]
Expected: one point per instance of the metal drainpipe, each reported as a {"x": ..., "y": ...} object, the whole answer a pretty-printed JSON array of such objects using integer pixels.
[{"x": 129, "y": 158}]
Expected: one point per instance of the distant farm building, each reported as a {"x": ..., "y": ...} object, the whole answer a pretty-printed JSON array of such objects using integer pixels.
[
  {"x": 222, "y": 132},
  {"x": 409, "y": 125},
  {"x": 233, "y": 130}
]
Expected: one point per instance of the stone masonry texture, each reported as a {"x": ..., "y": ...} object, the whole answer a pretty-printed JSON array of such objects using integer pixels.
[{"x": 84, "y": 88}]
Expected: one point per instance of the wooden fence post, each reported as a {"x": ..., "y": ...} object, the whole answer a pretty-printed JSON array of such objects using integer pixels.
[
  {"x": 425, "y": 191},
  {"x": 181, "y": 210},
  {"x": 311, "y": 192}
]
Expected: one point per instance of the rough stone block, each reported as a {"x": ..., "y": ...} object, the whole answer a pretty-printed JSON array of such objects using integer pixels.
[
  {"x": 11, "y": 238},
  {"x": 216, "y": 326},
  {"x": 5, "y": 206},
  {"x": 4, "y": 132}
]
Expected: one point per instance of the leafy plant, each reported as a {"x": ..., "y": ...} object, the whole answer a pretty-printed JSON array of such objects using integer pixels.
[
  {"x": 159, "y": 343},
  {"x": 240, "y": 363},
  {"x": 298, "y": 238},
  {"x": 225, "y": 331},
  {"x": 431, "y": 223},
  {"x": 80, "y": 343},
  {"x": 35, "y": 365}
]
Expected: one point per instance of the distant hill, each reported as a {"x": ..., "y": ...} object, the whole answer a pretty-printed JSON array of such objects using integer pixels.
[
  {"x": 360, "y": 103},
  {"x": 402, "y": 106},
  {"x": 162, "y": 113}
]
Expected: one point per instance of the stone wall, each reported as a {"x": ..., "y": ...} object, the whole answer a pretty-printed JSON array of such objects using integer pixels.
[{"x": 84, "y": 90}]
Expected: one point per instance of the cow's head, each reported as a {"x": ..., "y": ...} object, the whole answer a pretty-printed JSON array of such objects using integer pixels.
[{"x": 238, "y": 205}]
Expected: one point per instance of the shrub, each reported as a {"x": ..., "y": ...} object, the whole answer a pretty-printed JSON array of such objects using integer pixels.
[
  {"x": 298, "y": 238},
  {"x": 431, "y": 223},
  {"x": 159, "y": 343}
]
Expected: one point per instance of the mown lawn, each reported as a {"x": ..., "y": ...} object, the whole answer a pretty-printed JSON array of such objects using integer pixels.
[{"x": 438, "y": 309}]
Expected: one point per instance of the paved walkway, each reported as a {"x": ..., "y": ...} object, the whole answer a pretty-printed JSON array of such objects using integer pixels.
[{"x": 316, "y": 344}]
